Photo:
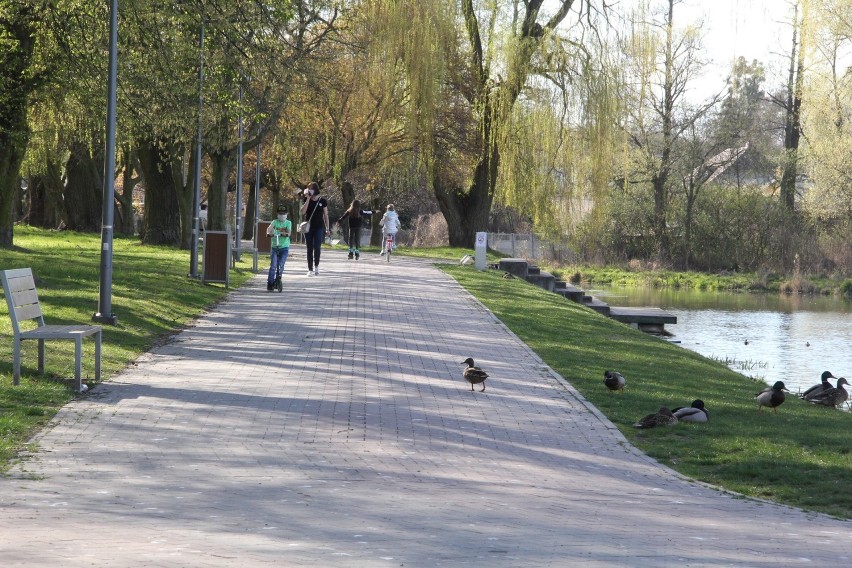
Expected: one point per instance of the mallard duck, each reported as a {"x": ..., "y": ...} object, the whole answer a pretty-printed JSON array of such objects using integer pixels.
[
  {"x": 832, "y": 396},
  {"x": 822, "y": 386},
  {"x": 614, "y": 381},
  {"x": 772, "y": 397},
  {"x": 663, "y": 417},
  {"x": 694, "y": 413},
  {"x": 474, "y": 375}
]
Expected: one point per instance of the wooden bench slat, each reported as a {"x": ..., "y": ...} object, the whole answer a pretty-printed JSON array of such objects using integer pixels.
[
  {"x": 25, "y": 297},
  {"x": 60, "y": 332},
  {"x": 20, "y": 283},
  {"x": 28, "y": 312},
  {"x": 19, "y": 272}
]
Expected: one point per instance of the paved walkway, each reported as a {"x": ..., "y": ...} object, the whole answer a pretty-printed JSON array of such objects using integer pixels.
[{"x": 330, "y": 426}]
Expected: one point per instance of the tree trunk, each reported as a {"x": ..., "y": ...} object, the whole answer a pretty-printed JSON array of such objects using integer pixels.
[
  {"x": 347, "y": 192},
  {"x": 660, "y": 180},
  {"x": 792, "y": 123},
  {"x": 184, "y": 184},
  {"x": 11, "y": 156},
  {"x": 248, "y": 222},
  {"x": 161, "y": 221},
  {"x": 217, "y": 193},
  {"x": 467, "y": 212},
  {"x": 125, "y": 222},
  {"x": 83, "y": 191},
  {"x": 46, "y": 206},
  {"x": 18, "y": 32}
]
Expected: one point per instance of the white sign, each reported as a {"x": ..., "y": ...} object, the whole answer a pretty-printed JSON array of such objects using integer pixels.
[{"x": 480, "y": 249}]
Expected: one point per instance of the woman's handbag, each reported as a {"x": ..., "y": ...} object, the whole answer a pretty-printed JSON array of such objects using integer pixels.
[{"x": 305, "y": 226}]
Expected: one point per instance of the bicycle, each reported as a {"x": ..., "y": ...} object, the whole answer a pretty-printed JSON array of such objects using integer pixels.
[{"x": 389, "y": 239}]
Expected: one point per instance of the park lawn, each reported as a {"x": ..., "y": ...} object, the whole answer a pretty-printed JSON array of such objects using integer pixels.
[
  {"x": 447, "y": 253},
  {"x": 799, "y": 456},
  {"x": 152, "y": 297}
]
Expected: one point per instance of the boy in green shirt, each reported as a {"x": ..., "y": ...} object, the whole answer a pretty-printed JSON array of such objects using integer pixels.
[{"x": 279, "y": 229}]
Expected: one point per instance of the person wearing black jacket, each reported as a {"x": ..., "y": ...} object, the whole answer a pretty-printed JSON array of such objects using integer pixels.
[
  {"x": 315, "y": 210},
  {"x": 355, "y": 217}
]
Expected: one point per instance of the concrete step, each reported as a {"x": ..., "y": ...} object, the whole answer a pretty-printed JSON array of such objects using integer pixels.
[
  {"x": 572, "y": 293},
  {"x": 597, "y": 305},
  {"x": 544, "y": 280},
  {"x": 514, "y": 266}
]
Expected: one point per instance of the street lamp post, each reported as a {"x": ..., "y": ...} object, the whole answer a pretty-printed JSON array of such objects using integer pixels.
[
  {"x": 238, "y": 208},
  {"x": 104, "y": 313},
  {"x": 256, "y": 195},
  {"x": 196, "y": 198}
]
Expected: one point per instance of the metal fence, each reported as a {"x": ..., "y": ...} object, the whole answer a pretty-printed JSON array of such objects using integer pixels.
[{"x": 531, "y": 247}]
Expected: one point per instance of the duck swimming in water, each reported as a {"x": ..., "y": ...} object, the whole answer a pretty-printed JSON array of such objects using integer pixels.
[{"x": 694, "y": 413}]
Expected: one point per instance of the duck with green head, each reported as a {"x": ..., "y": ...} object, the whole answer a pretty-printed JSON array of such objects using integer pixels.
[
  {"x": 694, "y": 413},
  {"x": 614, "y": 381},
  {"x": 816, "y": 390},
  {"x": 771, "y": 397},
  {"x": 833, "y": 396}
]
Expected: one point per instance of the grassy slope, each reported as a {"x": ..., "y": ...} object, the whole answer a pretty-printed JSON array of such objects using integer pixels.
[
  {"x": 798, "y": 456},
  {"x": 151, "y": 295}
]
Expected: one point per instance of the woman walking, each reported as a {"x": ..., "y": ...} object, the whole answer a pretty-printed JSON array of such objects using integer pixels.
[
  {"x": 353, "y": 231},
  {"x": 315, "y": 211}
]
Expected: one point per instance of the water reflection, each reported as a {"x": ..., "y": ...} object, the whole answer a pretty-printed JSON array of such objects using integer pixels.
[{"x": 770, "y": 336}]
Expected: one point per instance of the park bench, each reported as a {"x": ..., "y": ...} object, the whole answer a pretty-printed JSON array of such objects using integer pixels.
[{"x": 22, "y": 299}]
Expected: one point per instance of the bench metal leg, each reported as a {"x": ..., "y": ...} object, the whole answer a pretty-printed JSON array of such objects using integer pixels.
[
  {"x": 41, "y": 356},
  {"x": 78, "y": 363},
  {"x": 16, "y": 366},
  {"x": 98, "y": 356}
]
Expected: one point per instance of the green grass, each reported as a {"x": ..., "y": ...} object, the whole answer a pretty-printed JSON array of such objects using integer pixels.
[
  {"x": 614, "y": 276},
  {"x": 151, "y": 296},
  {"x": 447, "y": 253},
  {"x": 799, "y": 456}
]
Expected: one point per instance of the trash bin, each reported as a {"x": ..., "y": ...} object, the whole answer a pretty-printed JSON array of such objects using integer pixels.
[{"x": 217, "y": 257}]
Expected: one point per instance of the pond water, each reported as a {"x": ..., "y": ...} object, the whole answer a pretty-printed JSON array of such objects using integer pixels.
[{"x": 767, "y": 336}]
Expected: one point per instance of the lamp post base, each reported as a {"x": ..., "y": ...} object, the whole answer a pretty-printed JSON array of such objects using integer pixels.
[{"x": 105, "y": 319}]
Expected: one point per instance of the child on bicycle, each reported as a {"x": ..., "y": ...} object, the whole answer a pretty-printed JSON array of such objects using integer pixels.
[
  {"x": 390, "y": 226},
  {"x": 279, "y": 229}
]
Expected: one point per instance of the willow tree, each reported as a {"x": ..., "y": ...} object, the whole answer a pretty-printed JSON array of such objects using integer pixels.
[
  {"x": 827, "y": 124},
  {"x": 792, "y": 104},
  {"x": 347, "y": 117},
  {"x": 465, "y": 77},
  {"x": 558, "y": 155},
  {"x": 31, "y": 38},
  {"x": 662, "y": 61}
]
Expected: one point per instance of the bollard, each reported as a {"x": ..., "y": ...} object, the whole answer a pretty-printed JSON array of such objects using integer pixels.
[{"x": 480, "y": 249}]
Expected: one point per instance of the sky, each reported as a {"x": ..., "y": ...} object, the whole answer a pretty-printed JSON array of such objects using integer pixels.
[{"x": 754, "y": 29}]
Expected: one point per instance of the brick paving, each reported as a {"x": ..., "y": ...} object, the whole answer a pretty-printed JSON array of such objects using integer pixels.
[{"x": 330, "y": 426}]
